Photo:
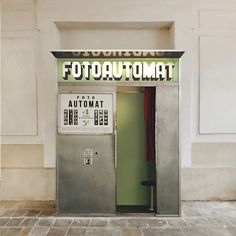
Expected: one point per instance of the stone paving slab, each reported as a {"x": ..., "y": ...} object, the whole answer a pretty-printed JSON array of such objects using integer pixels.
[
  {"x": 4, "y": 221},
  {"x": 76, "y": 231},
  {"x": 177, "y": 222},
  {"x": 198, "y": 219},
  {"x": 39, "y": 231},
  {"x": 195, "y": 231},
  {"x": 45, "y": 222},
  {"x": 60, "y": 222},
  {"x": 14, "y": 222},
  {"x": 7, "y": 213},
  {"x": 20, "y": 213},
  {"x": 220, "y": 221},
  {"x": 118, "y": 223},
  {"x": 57, "y": 231},
  {"x": 33, "y": 213},
  {"x": 232, "y": 231},
  {"x": 232, "y": 220},
  {"x": 29, "y": 222},
  {"x": 105, "y": 231},
  {"x": 191, "y": 212}
]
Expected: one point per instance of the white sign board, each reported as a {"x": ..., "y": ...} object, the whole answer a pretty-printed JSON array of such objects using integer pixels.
[{"x": 90, "y": 113}]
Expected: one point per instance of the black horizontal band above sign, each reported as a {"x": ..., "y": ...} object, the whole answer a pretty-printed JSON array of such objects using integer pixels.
[{"x": 118, "y": 54}]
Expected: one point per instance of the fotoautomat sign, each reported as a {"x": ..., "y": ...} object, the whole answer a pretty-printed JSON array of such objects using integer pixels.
[
  {"x": 117, "y": 66},
  {"x": 86, "y": 113}
]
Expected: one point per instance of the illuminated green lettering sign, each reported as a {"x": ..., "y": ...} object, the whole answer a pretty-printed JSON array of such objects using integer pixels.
[{"x": 118, "y": 66}]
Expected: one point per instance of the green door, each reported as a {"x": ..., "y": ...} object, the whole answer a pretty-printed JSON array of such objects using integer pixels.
[{"x": 132, "y": 167}]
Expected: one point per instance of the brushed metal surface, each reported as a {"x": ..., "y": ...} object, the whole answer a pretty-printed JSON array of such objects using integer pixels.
[
  {"x": 83, "y": 189},
  {"x": 167, "y": 149}
]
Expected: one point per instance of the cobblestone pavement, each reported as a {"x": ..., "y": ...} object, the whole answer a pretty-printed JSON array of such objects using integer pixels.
[{"x": 198, "y": 219}]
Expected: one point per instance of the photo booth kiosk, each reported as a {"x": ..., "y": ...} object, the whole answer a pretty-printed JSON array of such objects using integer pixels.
[{"x": 118, "y": 132}]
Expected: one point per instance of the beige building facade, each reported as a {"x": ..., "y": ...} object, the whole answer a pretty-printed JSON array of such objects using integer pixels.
[{"x": 204, "y": 29}]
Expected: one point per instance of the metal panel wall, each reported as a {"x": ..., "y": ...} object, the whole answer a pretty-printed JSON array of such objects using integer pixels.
[
  {"x": 86, "y": 189},
  {"x": 167, "y": 164}
]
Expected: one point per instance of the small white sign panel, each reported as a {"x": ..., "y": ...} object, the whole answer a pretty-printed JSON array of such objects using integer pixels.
[{"x": 86, "y": 113}]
